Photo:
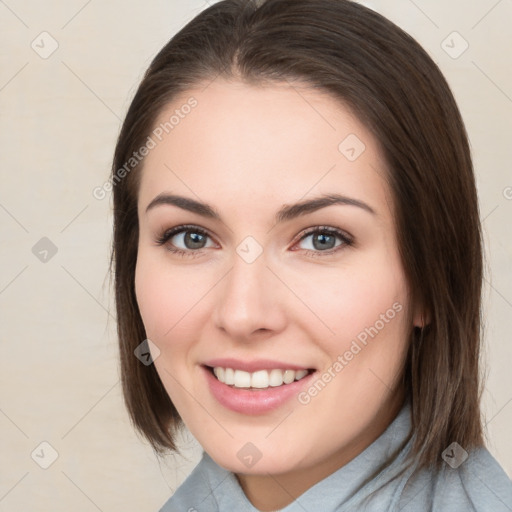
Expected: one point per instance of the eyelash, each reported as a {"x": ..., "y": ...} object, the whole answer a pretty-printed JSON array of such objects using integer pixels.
[{"x": 346, "y": 240}]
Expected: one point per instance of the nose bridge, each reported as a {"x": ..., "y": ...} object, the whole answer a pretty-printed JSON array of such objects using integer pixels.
[{"x": 248, "y": 301}]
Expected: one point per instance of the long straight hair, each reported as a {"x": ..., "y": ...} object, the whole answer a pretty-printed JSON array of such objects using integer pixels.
[{"x": 392, "y": 85}]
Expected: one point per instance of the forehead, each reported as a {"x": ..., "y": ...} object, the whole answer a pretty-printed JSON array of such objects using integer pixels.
[{"x": 250, "y": 143}]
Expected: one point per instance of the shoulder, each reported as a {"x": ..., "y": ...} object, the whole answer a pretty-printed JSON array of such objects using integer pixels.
[
  {"x": 195, "y": 493},
  {"x": 476, "y": 483},
  {"x": 208, "y": 488}
]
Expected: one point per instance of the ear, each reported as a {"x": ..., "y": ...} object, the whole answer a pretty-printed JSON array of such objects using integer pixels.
[{"x": 421, "y": 317}]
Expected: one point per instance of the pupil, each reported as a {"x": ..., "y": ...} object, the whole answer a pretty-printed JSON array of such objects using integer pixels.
[
  {"x": 194, "y": 240},
  {"x": 323, "y": 241}
]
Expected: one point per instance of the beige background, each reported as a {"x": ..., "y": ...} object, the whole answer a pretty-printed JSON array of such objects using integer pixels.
[{"x": 59, "y": 119}]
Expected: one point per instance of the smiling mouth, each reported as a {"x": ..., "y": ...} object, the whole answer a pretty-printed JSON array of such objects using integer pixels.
[{"x": 261, "y": 379}]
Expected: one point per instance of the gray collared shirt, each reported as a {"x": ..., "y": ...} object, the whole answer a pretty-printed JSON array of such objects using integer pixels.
[{"x": 374, "y": 481}]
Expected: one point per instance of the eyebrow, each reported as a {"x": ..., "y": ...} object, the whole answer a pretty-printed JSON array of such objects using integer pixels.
[{"x": 286, "y": 213}]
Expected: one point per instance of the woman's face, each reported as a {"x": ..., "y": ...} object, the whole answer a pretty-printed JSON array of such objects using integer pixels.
[{"x": 273, "y": 281}]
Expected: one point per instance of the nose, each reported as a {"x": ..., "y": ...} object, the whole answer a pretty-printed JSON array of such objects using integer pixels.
[{"x": 249, "y": 301}]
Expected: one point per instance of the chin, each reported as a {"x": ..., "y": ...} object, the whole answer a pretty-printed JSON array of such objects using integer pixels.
[{"x": 246, "y": 458}]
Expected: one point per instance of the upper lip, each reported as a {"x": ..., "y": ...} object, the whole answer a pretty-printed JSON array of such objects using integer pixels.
[{"x": 254, "y": 365}]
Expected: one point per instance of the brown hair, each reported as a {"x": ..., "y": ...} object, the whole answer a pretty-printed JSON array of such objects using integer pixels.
[{"x": 398, "y": 92}]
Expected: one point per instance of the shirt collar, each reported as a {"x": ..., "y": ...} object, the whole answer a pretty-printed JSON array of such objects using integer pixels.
[{"x": 372, "y": 468}]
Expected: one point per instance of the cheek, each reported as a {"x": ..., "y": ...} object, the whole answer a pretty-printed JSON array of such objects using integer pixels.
[
  {"x": 151, "y": 299},
  {"x": 158, "y": 297},
  {"x": 366, "y": 310},
  {"x": 170, "y": 299},
  {"x": 353, "y": 298}
]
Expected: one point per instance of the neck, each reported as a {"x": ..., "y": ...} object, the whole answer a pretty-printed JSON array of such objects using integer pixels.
[{"x": 271, "y": 492}]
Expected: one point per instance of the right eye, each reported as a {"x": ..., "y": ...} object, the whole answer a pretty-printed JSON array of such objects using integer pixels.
[{"x": 185, "y": 240}]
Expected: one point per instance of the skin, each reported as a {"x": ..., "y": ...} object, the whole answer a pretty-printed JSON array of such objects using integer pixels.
[{"x": 248, "y": 150}]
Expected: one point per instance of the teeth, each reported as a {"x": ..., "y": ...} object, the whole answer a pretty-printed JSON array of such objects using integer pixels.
[
  {"x": 289, "y": 376},
  {"x": 242, "y": 379},
  {"x": 275, "y": 378},
  {"x": 229, "y": 376},
  {"x": 219, "y": 373},
  {"x": 261, "y": 379}
]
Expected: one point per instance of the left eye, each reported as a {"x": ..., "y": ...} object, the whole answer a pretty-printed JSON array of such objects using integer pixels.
[{"x": 323, "y": 240}]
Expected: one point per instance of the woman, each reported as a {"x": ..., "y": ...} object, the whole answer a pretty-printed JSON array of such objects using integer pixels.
[{"x": 297, "y": 249}]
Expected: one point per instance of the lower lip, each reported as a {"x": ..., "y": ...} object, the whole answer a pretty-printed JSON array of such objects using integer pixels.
[{"x": 253, "y": 401}]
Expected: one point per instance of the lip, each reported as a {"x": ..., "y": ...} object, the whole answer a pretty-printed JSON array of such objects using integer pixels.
[
  {"x": 253, "y": 401},
  {"x": 253, "y": 366}
]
